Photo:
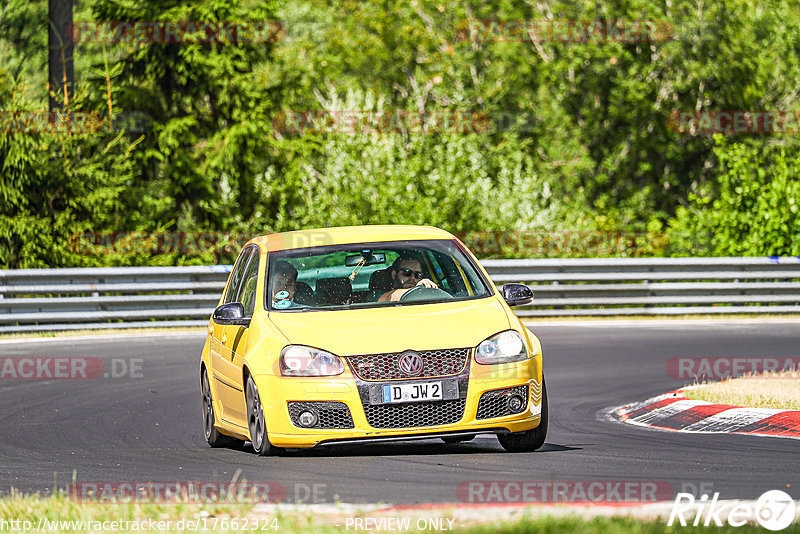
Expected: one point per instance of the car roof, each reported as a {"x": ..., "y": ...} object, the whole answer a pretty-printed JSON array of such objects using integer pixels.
[{"x": 316, "y": 237}]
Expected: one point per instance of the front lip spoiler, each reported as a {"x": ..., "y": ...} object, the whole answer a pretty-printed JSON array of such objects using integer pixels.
[{"x": 412, "y": 437}]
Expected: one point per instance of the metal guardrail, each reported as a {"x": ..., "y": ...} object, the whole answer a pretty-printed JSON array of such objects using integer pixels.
[
  {"x": 114, "y": 297},
  {"x": 654, "y": 286},
  {"x": 109, "y": 297}
]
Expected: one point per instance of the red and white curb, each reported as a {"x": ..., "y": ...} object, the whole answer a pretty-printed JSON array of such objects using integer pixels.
[{"x": 673, "y": 411}]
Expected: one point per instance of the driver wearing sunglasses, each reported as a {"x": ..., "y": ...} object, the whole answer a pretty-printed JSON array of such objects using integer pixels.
[{"x": 406, "y": 273}]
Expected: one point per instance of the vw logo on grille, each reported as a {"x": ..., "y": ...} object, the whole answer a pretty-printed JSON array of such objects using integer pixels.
[{"x": 410, "y": 363}]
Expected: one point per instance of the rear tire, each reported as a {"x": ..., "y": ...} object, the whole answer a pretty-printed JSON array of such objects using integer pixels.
[
  {"x": 214, "y": 437},
  {"x": 532, "y": 439},
  {"x": 256, "y": 421}
]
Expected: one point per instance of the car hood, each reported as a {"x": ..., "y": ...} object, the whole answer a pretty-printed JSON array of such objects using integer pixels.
[{"x": 395, "y": 328}]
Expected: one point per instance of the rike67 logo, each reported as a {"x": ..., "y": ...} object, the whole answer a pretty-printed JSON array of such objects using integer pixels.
[{"x": 774, "y": 510}]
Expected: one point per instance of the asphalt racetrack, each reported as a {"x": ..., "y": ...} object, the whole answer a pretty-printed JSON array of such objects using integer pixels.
[{"x": 146, "y": 424}]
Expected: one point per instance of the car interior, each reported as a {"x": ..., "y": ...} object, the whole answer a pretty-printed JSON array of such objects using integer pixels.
[{"x": 364, "y": 282}]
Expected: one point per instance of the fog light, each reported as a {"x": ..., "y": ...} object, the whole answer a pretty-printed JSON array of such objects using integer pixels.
[
  {"x": 307, "y": 419},
  {"x": 516, "y": 403}
]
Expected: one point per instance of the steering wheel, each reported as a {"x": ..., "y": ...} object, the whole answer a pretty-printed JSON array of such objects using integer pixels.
[{"x": 425, "y": 293}]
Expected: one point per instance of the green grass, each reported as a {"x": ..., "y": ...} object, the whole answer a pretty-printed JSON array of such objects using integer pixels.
[
  {"x": 779, "y": 391},
  {"x": 213, "y": 517},
  {"x": 226, "y": 517},
  {"x": 613, "y": 525},
  {"x": 62, "y": 508}
]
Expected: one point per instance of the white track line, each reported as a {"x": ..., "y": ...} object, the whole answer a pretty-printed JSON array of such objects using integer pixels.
[{"x": 104, "y": 337}]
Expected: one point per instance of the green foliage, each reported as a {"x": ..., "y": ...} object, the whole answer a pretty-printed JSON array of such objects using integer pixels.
[
  {"x": 459, "y": 181},
  {"x": 598, "y": 127},
  {"x": 23, "y": 45},
  {"x": 54, "y": 184},
  {"x": 208, "y": 108},
  {"x": 754, "y": 212},
  {"x": 587, "y": 146}
]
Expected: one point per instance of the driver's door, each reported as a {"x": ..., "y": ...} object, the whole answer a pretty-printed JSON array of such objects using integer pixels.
[{"x": 226, "y": 360}]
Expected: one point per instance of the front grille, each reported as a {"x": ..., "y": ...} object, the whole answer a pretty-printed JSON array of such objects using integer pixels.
[
  {"x": 415, "y": 414},
  {"x": 495, "y": 403},
  {"x": 330, "y": 414},
  {"x": 442, "y": 362}
]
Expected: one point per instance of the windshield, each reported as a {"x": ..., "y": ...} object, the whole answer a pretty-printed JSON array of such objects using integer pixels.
[{"x": 359, "y": 275}]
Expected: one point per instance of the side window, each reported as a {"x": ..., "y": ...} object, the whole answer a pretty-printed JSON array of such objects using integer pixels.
[
  {"x": 249, "y": 282},
  {"x": 236, "y": 277}
]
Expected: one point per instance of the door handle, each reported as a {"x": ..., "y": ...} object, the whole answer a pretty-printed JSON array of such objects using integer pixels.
[{"x": 224, "y": 339}]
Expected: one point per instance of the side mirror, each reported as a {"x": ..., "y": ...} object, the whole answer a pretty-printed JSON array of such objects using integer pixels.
[
  {"x": 517, "y": 294},
  {"x": 231, "y": 314}
]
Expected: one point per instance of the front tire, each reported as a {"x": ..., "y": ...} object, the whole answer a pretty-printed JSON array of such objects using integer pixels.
[
  {"x": 256, "y": 421},
  {"x": 532, "y": 439},
  {"x": 214, "y": 437}
]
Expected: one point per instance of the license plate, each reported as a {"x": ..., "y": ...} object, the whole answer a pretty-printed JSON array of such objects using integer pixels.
[{"x": 412, "y": 392}]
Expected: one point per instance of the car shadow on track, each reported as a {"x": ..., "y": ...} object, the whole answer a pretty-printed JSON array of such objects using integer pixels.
[{"x": 408, "y": 448}]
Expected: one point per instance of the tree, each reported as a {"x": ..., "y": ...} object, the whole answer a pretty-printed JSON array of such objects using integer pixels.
[{"x": 209, "y": 110}]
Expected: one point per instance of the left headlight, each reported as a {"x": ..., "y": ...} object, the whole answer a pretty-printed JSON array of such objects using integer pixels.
[
  {"x": 299, "y": 360},
  {"x": 504, "y": 347}
]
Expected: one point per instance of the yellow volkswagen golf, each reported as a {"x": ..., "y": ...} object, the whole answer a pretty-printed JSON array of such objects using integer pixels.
[{"x": 364, "y": 334}]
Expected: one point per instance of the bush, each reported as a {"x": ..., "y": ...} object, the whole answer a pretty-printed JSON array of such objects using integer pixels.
[{"x": 751, "y": 210}]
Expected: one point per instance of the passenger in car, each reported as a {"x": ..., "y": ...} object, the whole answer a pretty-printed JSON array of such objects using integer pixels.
[
  {"x": 406, "y": 273},
  {"x": 284, "y": 282}
]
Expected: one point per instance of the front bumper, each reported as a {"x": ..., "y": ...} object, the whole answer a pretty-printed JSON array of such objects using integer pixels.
[{"x": 277, "y": 392}]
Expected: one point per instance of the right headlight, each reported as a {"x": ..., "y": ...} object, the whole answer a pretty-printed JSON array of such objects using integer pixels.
[
  {"x": 299, "y": 360},
  {"x": 504, "y": 347}
]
